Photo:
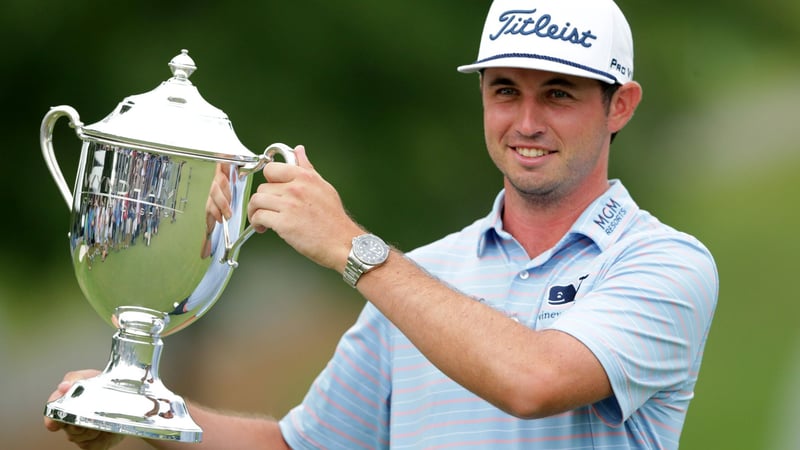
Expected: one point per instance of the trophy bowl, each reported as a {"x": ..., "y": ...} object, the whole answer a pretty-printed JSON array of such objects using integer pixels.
[{"x": 150, "y": 244}]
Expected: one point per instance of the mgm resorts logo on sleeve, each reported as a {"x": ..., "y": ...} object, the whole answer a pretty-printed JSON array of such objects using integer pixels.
[{"x": 610, "y": 216}]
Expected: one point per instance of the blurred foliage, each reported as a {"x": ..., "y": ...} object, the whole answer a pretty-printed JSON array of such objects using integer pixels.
[{"x": 371, "y": 89}]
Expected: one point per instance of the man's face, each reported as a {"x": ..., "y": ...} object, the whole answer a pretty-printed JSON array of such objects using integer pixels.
[{"x": 548, "y": 133}]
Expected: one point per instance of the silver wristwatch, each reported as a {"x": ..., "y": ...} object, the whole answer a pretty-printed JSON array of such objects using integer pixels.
[{"x": 368, "y": 252}]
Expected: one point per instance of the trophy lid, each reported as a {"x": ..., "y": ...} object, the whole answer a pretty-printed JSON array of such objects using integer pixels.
[{"x": 173, "y": 117}]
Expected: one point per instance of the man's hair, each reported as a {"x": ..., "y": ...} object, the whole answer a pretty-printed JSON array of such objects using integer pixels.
[{"x": 608, "y": 91}]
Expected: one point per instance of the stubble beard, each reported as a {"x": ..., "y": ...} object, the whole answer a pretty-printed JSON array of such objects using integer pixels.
[
  {"x": 544, "y": 196},
  {"x": 544, "y": 193}
]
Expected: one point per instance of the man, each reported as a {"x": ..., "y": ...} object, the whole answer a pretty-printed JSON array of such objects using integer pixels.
[{"x": 566, "y": 318}]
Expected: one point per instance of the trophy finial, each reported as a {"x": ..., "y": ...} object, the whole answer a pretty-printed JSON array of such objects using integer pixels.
[{"x": 182, "y": 66}]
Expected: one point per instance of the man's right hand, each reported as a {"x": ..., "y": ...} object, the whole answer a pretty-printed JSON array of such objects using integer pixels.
[{"x": 85, "y": 438}]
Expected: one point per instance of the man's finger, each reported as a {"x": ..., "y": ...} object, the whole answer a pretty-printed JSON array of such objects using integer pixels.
[{"x": 302, "y": 157}]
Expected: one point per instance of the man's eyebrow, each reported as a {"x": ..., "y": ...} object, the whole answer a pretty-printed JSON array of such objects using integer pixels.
[
  {"x": 559, "y": 81},
  {"x": 501, "y": 81},
  {"x": 555, "y": 81}
]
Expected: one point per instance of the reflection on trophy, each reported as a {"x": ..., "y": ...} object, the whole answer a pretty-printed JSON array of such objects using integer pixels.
[{"x": 150, "y": 242}]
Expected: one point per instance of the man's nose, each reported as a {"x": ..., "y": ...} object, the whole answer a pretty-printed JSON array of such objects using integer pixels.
[{"x": 530, "y": 118}]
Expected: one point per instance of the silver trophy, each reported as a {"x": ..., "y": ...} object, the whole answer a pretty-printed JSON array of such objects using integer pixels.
[{"x": 148, "y": 251}]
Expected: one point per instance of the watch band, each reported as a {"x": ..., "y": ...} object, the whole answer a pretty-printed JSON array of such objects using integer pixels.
[{"x": 352, "y": 271}]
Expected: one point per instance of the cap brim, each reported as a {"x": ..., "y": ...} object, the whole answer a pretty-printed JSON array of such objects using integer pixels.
[{"x": 539, "y": 62}]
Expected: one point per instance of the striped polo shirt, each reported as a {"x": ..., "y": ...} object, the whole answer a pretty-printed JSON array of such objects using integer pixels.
[{"x": 639, "y": 294}]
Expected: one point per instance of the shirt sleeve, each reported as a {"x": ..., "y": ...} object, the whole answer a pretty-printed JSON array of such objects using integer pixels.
[
  {"x": 347, "y": 406},
  {"x": 646, "y": 319}
]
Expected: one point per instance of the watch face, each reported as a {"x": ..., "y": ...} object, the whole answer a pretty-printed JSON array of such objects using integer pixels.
[{"x": 370, "y": 249}]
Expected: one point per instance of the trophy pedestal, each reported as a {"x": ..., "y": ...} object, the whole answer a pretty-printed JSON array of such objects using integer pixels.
[{"x": 128, "y": 397}]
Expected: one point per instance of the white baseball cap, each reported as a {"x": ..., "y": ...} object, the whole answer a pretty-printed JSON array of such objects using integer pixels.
[{"x": 585, "y": 38}]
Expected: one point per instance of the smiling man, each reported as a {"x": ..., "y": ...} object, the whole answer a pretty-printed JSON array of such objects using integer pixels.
[{"x": 567, "y": 317}]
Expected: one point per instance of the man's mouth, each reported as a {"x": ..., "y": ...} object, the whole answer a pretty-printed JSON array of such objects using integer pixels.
[{"x": 531, "y": 152}]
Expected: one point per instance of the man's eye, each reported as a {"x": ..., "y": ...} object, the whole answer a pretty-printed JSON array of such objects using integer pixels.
[
  {"x": 559, "y": 94},
  {"x": 506, "y": 91}
]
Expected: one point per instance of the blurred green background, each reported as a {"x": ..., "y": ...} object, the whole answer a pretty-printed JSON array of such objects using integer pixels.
[{"x": 371, "y": 89}]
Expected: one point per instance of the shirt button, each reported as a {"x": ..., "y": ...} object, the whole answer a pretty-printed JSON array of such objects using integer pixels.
[{"x": 524, "y": 275}]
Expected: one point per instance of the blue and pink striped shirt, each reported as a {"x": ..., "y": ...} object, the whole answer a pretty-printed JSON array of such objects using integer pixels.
[{"x": 639, "y": 294}]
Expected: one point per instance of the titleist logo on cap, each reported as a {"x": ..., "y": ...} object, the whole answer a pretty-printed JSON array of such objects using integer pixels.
[
  {"x": 583, "y": 38},
  {"x": 525, "y": 23}
]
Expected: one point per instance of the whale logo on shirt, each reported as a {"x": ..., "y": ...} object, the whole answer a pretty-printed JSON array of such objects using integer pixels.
[{"x": 561, "y": 295}]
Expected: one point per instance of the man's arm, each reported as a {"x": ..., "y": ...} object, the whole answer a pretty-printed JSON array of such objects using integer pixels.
[
  {"x": 231, "y": 431},
  {"x": 220, "y": 430},
  {"x": 524, "y": 372}
]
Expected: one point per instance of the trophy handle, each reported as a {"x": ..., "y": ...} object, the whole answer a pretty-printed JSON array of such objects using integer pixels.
[
  {"x": 268, "y": 156},
  {"x": 46, "y": 142}
]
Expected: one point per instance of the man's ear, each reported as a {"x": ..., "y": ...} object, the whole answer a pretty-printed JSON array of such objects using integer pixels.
[{"x": 623, "y": 105}]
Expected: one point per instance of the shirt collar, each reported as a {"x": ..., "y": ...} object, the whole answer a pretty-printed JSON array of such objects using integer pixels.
[
  {"x": 607, "y": 218},
  {"x": 492, "y": 225},
  {"x": 603, "y": 221}
]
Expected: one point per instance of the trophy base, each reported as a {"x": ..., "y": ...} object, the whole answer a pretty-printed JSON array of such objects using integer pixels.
[
  {"x": 128, "y": 397},
  {"x": 93, "y": 403}
]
